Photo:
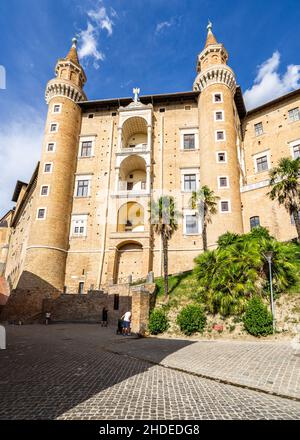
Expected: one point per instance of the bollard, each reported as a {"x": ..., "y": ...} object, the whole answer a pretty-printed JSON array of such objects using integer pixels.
[{"x": 2, "y": 338}]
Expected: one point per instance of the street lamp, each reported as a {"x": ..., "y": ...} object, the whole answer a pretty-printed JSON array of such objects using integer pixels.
[{"x": 268, "y": 256}]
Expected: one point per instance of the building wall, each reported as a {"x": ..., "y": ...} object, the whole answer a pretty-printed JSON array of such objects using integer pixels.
[{"x": 279, "y": 134}]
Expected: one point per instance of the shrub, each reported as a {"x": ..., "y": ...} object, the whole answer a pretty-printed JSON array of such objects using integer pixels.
[
  {"x": 191, "y": 319},
  {"x": 257, "y": 319},
  {"x": 158, "y": 322}
]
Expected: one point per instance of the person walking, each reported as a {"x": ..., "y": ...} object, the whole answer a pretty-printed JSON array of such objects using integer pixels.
[{"x": 126, "y": 323}]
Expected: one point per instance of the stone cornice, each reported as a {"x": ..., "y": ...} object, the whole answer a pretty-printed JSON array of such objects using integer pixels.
[
  {"x": 218, "y": 74},
  {"x": 61, "y": 87}
]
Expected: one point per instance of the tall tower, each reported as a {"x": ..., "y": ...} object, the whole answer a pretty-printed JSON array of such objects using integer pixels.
[
  {"x": 46, "y": 253},
  {"x": 219, "y": 167}
]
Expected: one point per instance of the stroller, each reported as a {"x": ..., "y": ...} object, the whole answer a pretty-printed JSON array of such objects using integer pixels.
[{"x": 120, "y": 327}]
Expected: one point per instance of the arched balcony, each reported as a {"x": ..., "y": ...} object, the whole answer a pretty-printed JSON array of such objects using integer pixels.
[
  {"x": 131, "y": 218},
  {"x": 134, "y": 135},
  {"x": 133, "y": 175}
]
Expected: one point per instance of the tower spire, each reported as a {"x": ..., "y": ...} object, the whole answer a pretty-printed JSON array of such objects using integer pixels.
[
  {"x": 72, "y": 55},
  {"x": 210, "y": 39}
]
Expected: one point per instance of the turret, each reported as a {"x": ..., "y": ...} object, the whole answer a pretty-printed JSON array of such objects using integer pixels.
[
  {"x": 219, "y": 168},
  {"x": 46, "y": 253}
]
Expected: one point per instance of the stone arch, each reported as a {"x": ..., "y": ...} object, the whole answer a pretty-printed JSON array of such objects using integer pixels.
[
  {"x": 128, "y": 261},
  {"x": 131, "y": 217},
  {"x": 134, "y": 132}
]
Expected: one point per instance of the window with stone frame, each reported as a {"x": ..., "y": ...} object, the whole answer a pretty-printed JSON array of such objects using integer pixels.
[
  {"x": 218, "y": 97},
  {"x": 296, "y": 151},
  {"x": 191, "y": 224},
  {"x": 223, "y": 182},
  {"x": 82, "y": 188},
  {"x": 189, "y": 182},
  {"x": 41, "y": 213},
  {"x": 219, "y": 115},
  {"x": 51, "y": 147},
  {"x": 86, "y": 149},
  {"x": 220, "y": 135},
  {"x": 224, "y": 204},
  {"x": 258, "y": 128},
  {"x": 44, "y": 190},
  {"x": 262, "y": 163},
  {"x": 79, "y": 225},
  {"x": 53, "y": 128},
  {"x": 48, "y": 168},
  {"x": 189, "y": 141},
  {"x": 221, "y": 156},
  {"x": 294, "y": 114}
]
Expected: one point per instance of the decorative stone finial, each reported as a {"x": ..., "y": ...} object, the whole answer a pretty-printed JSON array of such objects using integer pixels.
[
  {"x": 209, "y": 26},
  {"x": 136, "y": 92},
  {"x": 74, "y": 41}
]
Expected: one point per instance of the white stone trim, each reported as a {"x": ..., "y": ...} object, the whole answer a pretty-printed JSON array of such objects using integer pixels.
[
  {"x": 217, "y": 157},
  {"x": 54, "y": 147},
  {"x": 215, "y": 115},
  {"x": 46, "y": 247},
  {"x": 51, "y": 168},
  {"x": 54, "y": 105},
  {"x": 214, "y": 99},
  {"x": 224, "y": 138},
  {"x": 60, "y": 87},
  {"x": 223, "y": 187},
  {"x": 57, "y": 127},
  {"x": 185, "y": 171},
  {"x": 258, "y": 156},
  {"x": 293, "y": 144},
  {"x": 254, "y": 186},
  {"x": 195, "y": 132},
  {"x": 217, "y": 74},
  {"x": 37, "y": 213},
  {"x": 48, "y": 191},
  {"x": 192, "y": 212},
  {"x": 75, "y": 218},
  {"x": 86, "y": 139},
  {"x": 229, "y": 206}
]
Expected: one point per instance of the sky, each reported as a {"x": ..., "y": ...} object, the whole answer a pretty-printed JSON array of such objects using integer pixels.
[{"x": 150, "y": 44}]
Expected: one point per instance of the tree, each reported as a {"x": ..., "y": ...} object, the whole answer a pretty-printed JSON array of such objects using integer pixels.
[
  {"x": 164, "y": 220},
  {"x": 205, "y": 201},
  {"x": 284, "y": 180}
]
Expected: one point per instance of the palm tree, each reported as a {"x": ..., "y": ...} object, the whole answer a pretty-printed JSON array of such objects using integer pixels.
[
  {"x": 205, "y": 201},
  {"x": 164, "y": 220},
  {"x": 284, "y": 180}
]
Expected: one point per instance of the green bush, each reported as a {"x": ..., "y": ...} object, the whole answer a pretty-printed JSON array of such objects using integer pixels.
[
  {"x": 191, "y": 319},
  {"x": 158, "y": 322},
  {"x": 257, "y": 319}
]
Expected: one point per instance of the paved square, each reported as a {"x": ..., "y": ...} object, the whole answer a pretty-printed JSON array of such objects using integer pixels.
[{"x": 65, "y": 372}]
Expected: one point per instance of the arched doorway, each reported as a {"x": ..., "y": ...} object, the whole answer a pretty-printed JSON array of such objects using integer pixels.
[
  {"x": 131, "y": 218},
  {"x": 128, "y": 262}
]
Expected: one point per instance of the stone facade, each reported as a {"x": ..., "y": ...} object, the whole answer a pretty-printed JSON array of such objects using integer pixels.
[{"x": 82, "y": 223}]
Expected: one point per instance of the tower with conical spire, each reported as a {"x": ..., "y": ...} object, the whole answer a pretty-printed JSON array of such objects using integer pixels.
[
  {"x": 219, "y": 168},
  {"x": 44, "y": 268}
]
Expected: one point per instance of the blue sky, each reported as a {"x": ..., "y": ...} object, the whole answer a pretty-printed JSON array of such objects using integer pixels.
[{"x": 151, "y": 44}]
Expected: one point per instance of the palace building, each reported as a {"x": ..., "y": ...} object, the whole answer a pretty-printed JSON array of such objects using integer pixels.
[{"x": 82, "y": 223}]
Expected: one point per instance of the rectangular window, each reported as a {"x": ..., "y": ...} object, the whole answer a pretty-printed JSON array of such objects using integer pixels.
[
  {"x": 116, "y": 301},
  {"x": 187, "y": 107},
  {"x": 91, "y": 115},
  {"x": 219, "y": 115},
  {"x": 41, "y": 213},
  {"x": 191, "y": 224},
  {"x": 223, "y": 182},
  {"x": 129, "y": 186},
  {"x": 254, "y": 221},
  {"x": 220, "y": 135},
  {"x": 221, "y": 157},
  {"x": 51, "y": 147},
  {"x": 218, "y": 97},
  {"x": 48, "y": 168},
  {"x": 262, "y": 164},
  {"x": 86, "y": 149},
  {"x": 188, "y": 141},
  {"x": 79, "y": 225},
  {"x": 258, "y": 129},
  {"x": 189, "y": 182},
  {"x": 296, "y": 151},
  {"x": 53, "y": 128},
  {"x": 80, "y": 287},
  {"x": 224, "y": 204},
  {"x": 294, "y": 114},
  {"x": 44, "y": 190},
  {"x": 82, "y": 188},
  {"x": 56, "y": 108}
]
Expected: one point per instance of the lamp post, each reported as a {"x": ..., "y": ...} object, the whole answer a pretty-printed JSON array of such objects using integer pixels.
[{"x": 268, "y": 256}]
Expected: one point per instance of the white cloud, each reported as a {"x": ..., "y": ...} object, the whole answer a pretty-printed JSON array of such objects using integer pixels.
[
  {"x": 20, "y": 150},
  {"x": 99, "y": 20},
  {"x": 269, "y": 84},
  {"x": 163, "y": 25}
]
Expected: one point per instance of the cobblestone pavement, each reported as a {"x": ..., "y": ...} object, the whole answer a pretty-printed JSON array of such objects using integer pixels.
[
  {"x": 65, "y": 372},
  {"x": 270, "y": 366}
]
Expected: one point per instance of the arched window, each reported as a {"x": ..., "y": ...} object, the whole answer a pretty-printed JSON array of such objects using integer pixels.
[{"x": 254, "y": 221}]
